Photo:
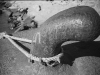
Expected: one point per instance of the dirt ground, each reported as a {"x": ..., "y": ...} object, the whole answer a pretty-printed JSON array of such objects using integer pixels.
[{"x": 13, "y": 62}]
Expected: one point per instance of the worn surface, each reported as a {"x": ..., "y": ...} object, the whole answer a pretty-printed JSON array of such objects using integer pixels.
[
  {"x": 13, "y": 62},
  {"x": 77, "y": 23}
]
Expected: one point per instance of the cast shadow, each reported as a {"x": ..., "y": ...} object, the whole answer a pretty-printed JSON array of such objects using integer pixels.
[
  {"x": 24, "y": 47},
  {"x": 79, "y": 49},
  {"x": 75, "y": 50}
]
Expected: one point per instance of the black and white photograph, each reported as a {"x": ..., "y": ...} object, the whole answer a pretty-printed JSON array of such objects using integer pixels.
[{"x": 49, "y": 37}]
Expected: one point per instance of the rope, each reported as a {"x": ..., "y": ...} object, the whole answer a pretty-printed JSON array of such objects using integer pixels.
[
  {"x": 19, "y": 39},
  {"x": 10, "y": 38}
]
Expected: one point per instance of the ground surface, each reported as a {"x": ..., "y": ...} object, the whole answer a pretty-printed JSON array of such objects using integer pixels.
[{"x": 13, "y": 62}]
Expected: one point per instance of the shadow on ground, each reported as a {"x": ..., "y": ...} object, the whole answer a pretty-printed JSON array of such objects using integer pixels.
[
  {"x": 13, "y": 62},
  {"x": 80, "y": 49}
]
